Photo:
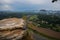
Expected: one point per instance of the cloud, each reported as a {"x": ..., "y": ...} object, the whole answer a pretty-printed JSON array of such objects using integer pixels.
[
  {"x": 6, "y": 7},
  {"x": 4, "y": 4},
  {"x": 56, "y": 5},
  {"x": 6, "y": 1},
  {"x": 33, "y": 1},
  {"x": 36, "y": 1},
  {"x": 28, "y": 4}
]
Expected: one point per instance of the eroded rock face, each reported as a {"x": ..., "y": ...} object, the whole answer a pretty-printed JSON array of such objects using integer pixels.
[
  {"x": 12, "y": 35},
  {"x": 12, "y": 29},
  {"x": 11, "y": 23}
]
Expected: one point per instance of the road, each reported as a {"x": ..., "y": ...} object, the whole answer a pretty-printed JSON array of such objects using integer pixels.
[
  {"x": 37, "y": 36},
  {"x": 45, "y": 31}
]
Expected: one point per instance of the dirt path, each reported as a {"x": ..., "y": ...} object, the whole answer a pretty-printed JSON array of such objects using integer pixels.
[
  {"x": 37, "y": 36},
  {"x": 45, "y": 31}
]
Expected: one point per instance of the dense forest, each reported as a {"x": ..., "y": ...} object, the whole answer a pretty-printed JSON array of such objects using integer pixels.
[
  {"x": 46, "y": 21},
  {"x": 39, "y": 19}
]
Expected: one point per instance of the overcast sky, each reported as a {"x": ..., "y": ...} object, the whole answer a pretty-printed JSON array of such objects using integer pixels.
[{"x": 19, "y": 5}]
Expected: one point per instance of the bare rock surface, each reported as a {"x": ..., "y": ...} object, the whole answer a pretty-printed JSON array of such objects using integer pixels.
[
  {"x": 11, "y": 23},
  {"x": 12, "y": 29}
]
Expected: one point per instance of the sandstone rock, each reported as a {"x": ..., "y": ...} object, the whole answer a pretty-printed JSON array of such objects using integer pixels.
[
  {"x": 12, "y": 29},
  {"x": 11, "y": 23}
]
